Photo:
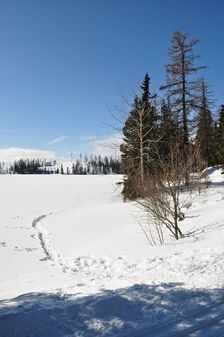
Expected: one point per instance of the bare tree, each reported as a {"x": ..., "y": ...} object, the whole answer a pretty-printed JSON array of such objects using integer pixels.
[
  {"x": 180, "y": 84},
  {"x": 162, "y": 201}
]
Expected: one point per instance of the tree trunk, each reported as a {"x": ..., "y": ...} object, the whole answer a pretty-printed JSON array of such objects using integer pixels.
[{"x": 184, "y": 118}]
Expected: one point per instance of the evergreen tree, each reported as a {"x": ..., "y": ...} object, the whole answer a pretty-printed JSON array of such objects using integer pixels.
[
  {"x": 205, "y": 127},
  {"x": 169, "y": 132},
  {"x": 220, "y": 136},
  {"x": 139, "y": 136},
  {"x": 62, "y": 169}
]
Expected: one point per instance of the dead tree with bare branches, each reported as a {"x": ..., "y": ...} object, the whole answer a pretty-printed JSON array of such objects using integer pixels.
[{"x": 180, "y": 83}]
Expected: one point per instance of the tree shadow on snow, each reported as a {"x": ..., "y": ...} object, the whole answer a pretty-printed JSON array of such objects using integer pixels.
[{"x": 109, "y": 313}]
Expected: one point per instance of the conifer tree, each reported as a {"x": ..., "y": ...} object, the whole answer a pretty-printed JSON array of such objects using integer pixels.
[
  {"x": 130, "y": 153},
  {"x": 220, "y": 136},
  {"x": 205, "y": 126},
  {"x": 168, "y": 129},
  {"x": 140, "y": 132},
  {"x": 73, "y": 168},
  {"x": 62, "y": 169}
]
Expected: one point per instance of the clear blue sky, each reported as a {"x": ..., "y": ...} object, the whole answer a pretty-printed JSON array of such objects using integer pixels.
[{"x": 64, "y": 62}]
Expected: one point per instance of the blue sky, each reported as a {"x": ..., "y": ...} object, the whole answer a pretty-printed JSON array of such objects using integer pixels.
[{"x": 64, "y": 64}]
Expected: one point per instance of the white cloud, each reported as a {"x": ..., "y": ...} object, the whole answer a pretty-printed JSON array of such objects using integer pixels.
[
  {"x": 107, "y": 146},
  {"x": 57, "y": 140},
  {"x": 88, "y": 137},
  {"x": 8, "y": 155}
]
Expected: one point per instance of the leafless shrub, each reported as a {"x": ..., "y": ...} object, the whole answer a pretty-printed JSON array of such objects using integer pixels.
[{"x": 162, "y": 191}]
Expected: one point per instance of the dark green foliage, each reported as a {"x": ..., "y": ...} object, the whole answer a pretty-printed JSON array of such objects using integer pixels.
[
  {"x": 62, "y": 169},
  {"x": 158, "y": 156},
  {"x": 168, "y": 129},
  {"x": 96, "y": 165},
  {"x": 205, "y": 139},
  {"x": 130, "y": 147},
  {"x": 220, "y": 137},
  {"x": 130, "y": 153},
  {"x": 149, "y": 113},
  {"x": 139, "y": 136},
  {"x": 31, "y": 166}
]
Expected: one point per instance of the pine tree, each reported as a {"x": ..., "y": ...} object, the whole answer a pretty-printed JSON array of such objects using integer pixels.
[
  {"x": 220, "y": 136},
  {"x": 205, "y": 126},
  {"x": 139, "y": 135},
  {"x": 168, "y": 129},
  {"x": 62, "y": 169},
  {"x": 130, "y": 154}
]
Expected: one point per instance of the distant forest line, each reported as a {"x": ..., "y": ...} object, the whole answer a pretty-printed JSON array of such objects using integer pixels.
[{"x": 81, "y": 166}]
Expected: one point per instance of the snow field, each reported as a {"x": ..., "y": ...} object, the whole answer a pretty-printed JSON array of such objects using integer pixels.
[{"x": 74, "y": 259}]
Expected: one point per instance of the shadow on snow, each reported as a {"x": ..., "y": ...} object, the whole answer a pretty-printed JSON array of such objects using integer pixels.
[{"x": 109, "y": 313}]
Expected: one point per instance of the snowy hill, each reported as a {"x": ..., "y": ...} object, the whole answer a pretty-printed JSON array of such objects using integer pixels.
[{"x": 75, "y": 262}]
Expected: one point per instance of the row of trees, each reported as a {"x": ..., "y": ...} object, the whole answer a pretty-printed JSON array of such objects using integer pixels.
[
  {"x": 83, "y": 165},
  {"x": 164, "y": 143},
  {"x": 92, "y": 165},
  {"x": 31, "y": 166}
]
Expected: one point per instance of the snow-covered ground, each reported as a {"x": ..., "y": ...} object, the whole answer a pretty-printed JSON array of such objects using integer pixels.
[{"x": 75, "y": 262}]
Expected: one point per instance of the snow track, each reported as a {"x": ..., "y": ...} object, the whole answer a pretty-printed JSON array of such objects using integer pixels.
[
  {"x": 98, "y": 268},
  {"x": 87, "y": 270},
  {"x": 196, "y": 323},
  {"x": 43, "y": 243},
  {"x": 200, "y": 322}
]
